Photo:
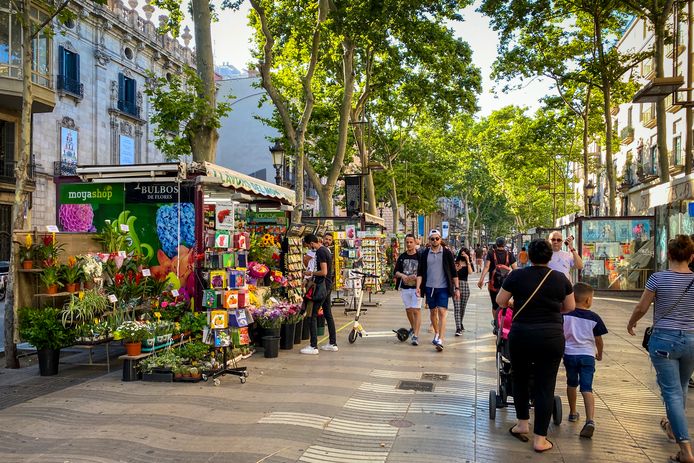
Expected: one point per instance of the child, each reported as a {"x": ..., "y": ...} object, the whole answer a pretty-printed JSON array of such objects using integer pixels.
[{"x": 583, "y": 331}]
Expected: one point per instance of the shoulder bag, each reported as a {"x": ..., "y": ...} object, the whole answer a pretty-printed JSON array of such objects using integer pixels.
[
  {"x": 649, "y": 330},
  {"x": 532, "y": 295},
  {"x": 318, "y": 293}
]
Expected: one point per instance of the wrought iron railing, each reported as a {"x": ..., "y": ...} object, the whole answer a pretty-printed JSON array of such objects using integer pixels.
[
  {"x": 129, "y": 107},
  {"x": 71, "y": 86},
  {"x": 64, "y": 169}
]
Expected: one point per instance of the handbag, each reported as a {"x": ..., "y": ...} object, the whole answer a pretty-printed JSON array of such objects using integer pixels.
[
  {"x": 531, "y": 296},
  {"x": 319, "y": 292},
  {"x": 647, "y": 333}
]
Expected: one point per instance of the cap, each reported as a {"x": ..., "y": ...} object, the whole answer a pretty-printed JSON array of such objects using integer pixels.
[
  {"x": 501, "y": 241},
  {"x": 434, "y": 231}
]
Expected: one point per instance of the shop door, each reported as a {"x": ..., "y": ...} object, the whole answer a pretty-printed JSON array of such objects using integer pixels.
[{"x": 5, "y": 237}]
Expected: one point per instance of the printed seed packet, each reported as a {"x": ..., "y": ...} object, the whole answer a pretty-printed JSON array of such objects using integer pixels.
[
  {"x": 218, "y": 279},
  {"x": 231, "y": 299},
  {"x": 228, "y": 260},
  {"x": 237, "y": 318},
  {"x": 241, "y": 240},
  {"x": 221, "y": 239},
  {"x": 243, "y": 298},
  {"x": 236, "y": 279},
  {"x": 209, "y": 298},
  {"x": 240, "y": 337},
  {"x": 242, "y": 260},
  {"x": 219, "y": 319}
]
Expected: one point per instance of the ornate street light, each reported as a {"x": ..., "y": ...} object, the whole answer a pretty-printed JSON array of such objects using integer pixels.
[
  {"x": 590, "y": 194},
  {"x": 277, "y": 152}
]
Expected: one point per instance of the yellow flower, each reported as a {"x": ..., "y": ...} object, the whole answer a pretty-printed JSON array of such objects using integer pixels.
[
  {"x": 96, "y": 321},
  {"x": 27, "y": 240},
  {"x": 71, "y": 261},
  {"x": 158, "y": 315}
]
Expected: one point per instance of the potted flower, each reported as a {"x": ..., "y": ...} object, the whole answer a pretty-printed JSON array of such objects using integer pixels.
[
  {"x": 42, "y": 329},
  {"x": 92, "y": 269},
  {"x": 72, "y": 274},
  {"x": 133, "y": 333},
  {"x": 26, "y": 252},
  {"x": 270, "y": 319},
  {"x": 50, "y": 277},
  {"x": 48, "y": 251}
]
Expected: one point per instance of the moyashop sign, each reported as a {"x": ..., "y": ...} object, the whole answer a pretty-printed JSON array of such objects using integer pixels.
[{"x": 89, "y": 193}]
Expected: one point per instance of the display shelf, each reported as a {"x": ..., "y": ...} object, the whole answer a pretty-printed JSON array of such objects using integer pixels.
[
  {"x": 30, "y": 270},
  {"x": 61, "y": 294}
]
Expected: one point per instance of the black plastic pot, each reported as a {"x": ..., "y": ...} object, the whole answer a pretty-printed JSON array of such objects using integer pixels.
[
  {"x": 287, "y": 336},
  {"x": 272, "y": 346},
  {"x": 298, "y": 328},
  {"x": 49, "y": 359}
]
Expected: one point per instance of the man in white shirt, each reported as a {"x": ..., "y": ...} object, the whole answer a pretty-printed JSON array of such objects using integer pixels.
[{"x": 564, "y": 261}]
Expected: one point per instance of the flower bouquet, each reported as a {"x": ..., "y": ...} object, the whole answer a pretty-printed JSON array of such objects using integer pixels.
[
  {"x": 268, "y": 317},
  {"x": 291, "y": 312}
]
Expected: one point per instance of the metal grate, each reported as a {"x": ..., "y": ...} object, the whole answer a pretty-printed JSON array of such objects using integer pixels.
[
  {"x": 420, "y": 386},
  {"x": 434, "y": 377}
]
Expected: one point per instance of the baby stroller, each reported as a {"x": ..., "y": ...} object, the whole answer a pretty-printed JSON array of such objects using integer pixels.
[{"x": 504, "y": 370}]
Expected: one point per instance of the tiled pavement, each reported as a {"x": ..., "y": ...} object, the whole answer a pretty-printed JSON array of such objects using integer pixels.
[{"x": 335, "y": 407}]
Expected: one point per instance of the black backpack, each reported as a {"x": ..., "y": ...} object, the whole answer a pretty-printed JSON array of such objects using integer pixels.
[{"x": 500, "y": 272}]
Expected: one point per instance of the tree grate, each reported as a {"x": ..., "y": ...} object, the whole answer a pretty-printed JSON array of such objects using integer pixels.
[
  {"x": 420, "y": 386},
  {"x": 434, "y": 377}
]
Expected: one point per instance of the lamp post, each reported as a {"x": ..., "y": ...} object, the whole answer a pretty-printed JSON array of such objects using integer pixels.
[
  {"x": 590, "y": 193},
  {"x": 381, "y": 206},
  {"x": 277, "y": 152}
]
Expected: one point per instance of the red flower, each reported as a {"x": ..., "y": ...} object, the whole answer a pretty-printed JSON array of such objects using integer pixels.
[{"x": 119, "y": 279}]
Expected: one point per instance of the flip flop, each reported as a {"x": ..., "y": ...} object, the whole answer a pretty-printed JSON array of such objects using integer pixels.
[
  {"x": 551, "y": 446},
  {"x": 518, "y": 435}
]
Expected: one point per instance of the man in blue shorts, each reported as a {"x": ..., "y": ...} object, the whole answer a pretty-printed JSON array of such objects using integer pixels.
[{"x": 437, "y": 279}]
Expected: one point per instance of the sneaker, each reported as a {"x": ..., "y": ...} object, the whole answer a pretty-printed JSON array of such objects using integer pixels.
[
  {"x": 573, "y": 417},
  {"x": 410, "y": 333},
  {"x": 415, "y": 341},
  {"x": 588, "y": 429},
  {"x": 459, "y": 332},
  {"x": 330, "y": 347},
  {"x": 439, "y": 346},
  {"x": 435, "y": 341},
  {"x": 462, "y": 327},
  {"x": 309, "y": 350}
]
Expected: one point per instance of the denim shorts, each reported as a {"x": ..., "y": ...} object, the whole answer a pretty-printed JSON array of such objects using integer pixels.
[
  {"x": 437, "y": 297},
  {"x": 579, "y": 371}
]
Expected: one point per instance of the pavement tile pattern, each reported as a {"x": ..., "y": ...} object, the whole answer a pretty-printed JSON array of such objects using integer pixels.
[{"x": 336, "y": 407}]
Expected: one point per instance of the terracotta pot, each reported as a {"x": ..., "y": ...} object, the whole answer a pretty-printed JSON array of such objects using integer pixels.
[
  {"x": 133, "y": 348},
  {"x": 27, "y": 264},
  {"x": 89, "y": 285},
  {"x": 71, "y": 287},
  {"x": 52, "y": 289}
]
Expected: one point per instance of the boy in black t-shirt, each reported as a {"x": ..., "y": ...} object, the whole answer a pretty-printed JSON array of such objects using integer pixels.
[{"x": 405, "y": 274}]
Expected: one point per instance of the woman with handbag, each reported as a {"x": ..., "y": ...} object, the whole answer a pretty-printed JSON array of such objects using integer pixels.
[
  {"x": 671, "y": 342},
  {"x": 536, "y": 340}
]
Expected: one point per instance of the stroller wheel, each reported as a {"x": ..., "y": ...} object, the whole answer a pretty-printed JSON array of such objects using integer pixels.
[
  {"x": 492, "y": 405},
  {"x": 352, "y": 336},
  {"x": 556, "y": 410},
  {"x": 402, "y": 333}
]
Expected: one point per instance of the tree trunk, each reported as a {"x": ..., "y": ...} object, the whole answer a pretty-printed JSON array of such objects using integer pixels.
[
  {"x": 205, "y": 138},
  {"x": 607, "y": 97},
  {"x": 371, "y": 192},
  {"x": 22, "y": 174},
  {"x": 660, "y": 114},
  {"x": 326, "y": 201},
  {"x": 586, "y": 155},
  {"x": 299, "y": 180},
  {"x": 394, "y": 205}
]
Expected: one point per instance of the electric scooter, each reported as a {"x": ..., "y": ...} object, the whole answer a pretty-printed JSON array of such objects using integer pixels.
[{"x": 357, "y": 329}]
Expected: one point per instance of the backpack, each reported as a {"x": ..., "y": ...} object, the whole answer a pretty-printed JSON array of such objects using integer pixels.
[{"x": 499, "y": 273}]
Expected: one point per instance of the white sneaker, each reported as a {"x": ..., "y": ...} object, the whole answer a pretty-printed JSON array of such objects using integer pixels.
[
  {"x": 309, "y": 350},
  {"x": 330, "y": 347}
]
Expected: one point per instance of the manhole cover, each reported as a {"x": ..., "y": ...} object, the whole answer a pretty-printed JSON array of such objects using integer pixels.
[
  {"x": 434, "y": 377},
  {"x": 401, "y": 423},
  {"x": 416, "y": 386}
]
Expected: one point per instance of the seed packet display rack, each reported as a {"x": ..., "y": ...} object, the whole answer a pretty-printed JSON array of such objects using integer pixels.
[
  {"x": 294, "y": 265},
  {"x": 372, "y": 257}
]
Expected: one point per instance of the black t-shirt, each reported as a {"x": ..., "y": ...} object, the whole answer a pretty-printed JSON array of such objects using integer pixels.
[
  {"x": 407, "y": 264},
  {"x": 500, "y": 258},
  {"x": 323, "y": 255},
  {"x": 545, "y": 306}
]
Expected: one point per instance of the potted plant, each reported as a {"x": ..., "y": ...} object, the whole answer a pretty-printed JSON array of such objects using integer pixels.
[
  {"x": 26, "y": 252},
  {"x": 133, "y": 333},
  {"x": 72, "y": 274},
  {"x": 50, "y": 277},
  {"x": 92, "y": 269},
  {"x": 42, "y": 329},
  {"x": 48, "y": 251}
]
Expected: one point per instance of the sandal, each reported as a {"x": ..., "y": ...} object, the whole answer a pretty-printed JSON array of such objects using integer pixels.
[
  {"x": 521, "y": 436},
  {"x": 665, "y": 426},
  {"x": 676, "y": 459}
]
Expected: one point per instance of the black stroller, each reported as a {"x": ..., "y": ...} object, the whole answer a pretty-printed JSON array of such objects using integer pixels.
[{"x": 504, "y": 371}]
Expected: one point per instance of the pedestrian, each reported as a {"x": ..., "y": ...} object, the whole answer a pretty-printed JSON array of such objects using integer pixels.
[
  {"x": 438, "y": 280},
  {"x": 671, "y": 344},
  {"x": 522, "y": 258},
  {"x": 328, "y": 241},
  {"x": 406, "y": 282},
  {"x": 321, "y": 276},
  {"x": 479, "y": 254},
  {"x": 583, "y": 331},
  {"x": 463, "y": 266},
  {"x": 564, "y": 261},
  {"x": 498, "y": 265},
  {"x": 536, "y": 339}
]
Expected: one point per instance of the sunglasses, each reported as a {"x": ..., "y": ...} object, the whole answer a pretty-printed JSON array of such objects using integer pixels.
[
  {"x": 556, "y": 239},
  {"x": 434, "y": 239}
]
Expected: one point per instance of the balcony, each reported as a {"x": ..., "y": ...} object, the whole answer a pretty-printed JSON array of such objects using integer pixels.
[
  {"x": 670, "y": 49},
  {"x": 670, "y": 105},
  {"x": 129, "y": 107},
  {"x": 64, "y": 169},
  {"x": 648, "y": 70},
  {"x": 627, "y": 135},
  {"x": 71, "y": 87},
  {"x": 676, "y": 158},
  {"x": 7, "y": 171},
  {"x": 648, "y": 118}
]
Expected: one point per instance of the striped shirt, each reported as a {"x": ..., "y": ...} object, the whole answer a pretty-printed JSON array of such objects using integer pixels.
[{"x": 668, "y": 287}]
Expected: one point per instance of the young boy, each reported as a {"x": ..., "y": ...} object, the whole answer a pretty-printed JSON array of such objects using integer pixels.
[{"x": 583, "y": 331}]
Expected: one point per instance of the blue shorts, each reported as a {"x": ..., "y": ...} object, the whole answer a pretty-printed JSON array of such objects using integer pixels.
[
  {"x": 437, "y": 297},
  {"x": 579, "y": 371}
]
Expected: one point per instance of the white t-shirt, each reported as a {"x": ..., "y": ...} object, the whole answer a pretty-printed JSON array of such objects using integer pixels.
[
  {"x": 311, "y": 267},
  {"x": 562, "y": 261}
]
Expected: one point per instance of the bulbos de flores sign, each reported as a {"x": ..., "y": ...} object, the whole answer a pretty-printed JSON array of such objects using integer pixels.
[
  {"x": 157, "y": 193},
  {"x": 91, "y": 193}
]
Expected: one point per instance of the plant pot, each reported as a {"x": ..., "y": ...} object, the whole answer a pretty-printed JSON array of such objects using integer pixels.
[
  {"x": 71, "y": 287},
  {"x": 52, "y": 289},
  {"x": 269, "y": 332},
  {"x": 27, "y": 264},
  {"x": 149, "y": 342},
  {"x": 49, "y": 359},
  {"x": 161, "y": 339},
  {"x": 272, "y": 346},
  {"x": 298, "y": 329},
  {"x": 88, "y": 284},
  {"x": 133, "y": 348},
  {"x": 306, "y": 329},
  {"x": 287, "y": 336}
]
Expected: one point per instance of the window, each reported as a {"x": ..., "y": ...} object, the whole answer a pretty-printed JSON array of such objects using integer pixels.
[
  {"x": 69, "y": 72},
  {"x": 676, "y": 151},
  {"x": 127, "y": 91},
  {"x": 7, "y": 148},
  {"x": 629, "y": 117},
  {"x": 41, "y": 68},
  {"x": 10, "y": 43}
]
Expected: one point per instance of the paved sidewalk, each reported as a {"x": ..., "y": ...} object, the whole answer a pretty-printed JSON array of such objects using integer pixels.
[{"x": 335, "y": 407}]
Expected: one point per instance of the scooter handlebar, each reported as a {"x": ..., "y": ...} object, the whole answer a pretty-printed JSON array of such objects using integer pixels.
[{"x": 367, "y": 275}]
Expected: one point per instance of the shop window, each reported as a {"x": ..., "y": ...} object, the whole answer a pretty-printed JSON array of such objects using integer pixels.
[
  {"x": 69, "y": 72},
  {"x": 127, "y": 91}
]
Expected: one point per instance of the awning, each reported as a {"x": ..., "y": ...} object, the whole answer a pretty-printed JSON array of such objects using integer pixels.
[
  {"x": 239, "y": 181},
  {"x": 374, "y": 220}
]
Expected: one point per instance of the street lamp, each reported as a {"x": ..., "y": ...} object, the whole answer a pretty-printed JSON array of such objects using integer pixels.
[
  {"x": 277, "y": 152},
  {"x": 381, "y": 206},
  {"x": 590, "y": 194}
]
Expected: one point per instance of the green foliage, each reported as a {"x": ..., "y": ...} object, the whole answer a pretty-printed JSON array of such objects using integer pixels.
[
  {"x": 193, "y": 322},
  {"x": 194, "y": 351},
  {"x": 42, "y": 328},
  {"x": 51, "y": 276},
  {"x": 180, "y": 111},
  {"x": 83, "y": 310}
]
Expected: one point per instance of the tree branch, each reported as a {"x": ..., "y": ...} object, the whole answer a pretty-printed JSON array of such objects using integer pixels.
[{"x": 50, "y": 18}]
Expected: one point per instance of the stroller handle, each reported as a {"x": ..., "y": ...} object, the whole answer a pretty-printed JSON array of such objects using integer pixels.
[{"x": 366, "y": 275}]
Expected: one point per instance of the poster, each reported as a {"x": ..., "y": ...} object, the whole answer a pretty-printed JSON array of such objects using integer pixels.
[
  {"x": 224, "y": 216},
  {"x": 598, "y": 230},
  {"x": 623, "y": 231},
  {"x": 641, "y": 229},
  {"x": 593, "y": 268},
  {"x": 607, "y": 250},
  {"x": 351, "y": 232},
  {"x": 68, "y": 146},
  {"x": 127, "y": 150}
]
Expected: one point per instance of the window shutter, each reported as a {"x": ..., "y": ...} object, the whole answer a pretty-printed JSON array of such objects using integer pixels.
[
  {"x": 121, "y": 90},
  {"x": 133, "y": 91},
  {"x": 61, "y": 67},
  {"x": 77, "y": 68}
]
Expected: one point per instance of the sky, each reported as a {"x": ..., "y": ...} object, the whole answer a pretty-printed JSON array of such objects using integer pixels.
[{"x": 231, "y": 45}]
